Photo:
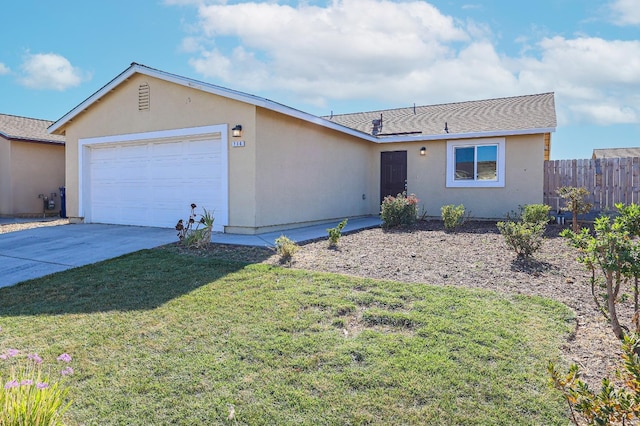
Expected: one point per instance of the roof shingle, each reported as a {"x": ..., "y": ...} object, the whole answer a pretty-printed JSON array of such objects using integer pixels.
[
  {"x": 616, "y": 152},
  {"x": 28, "y": 129},
  {"x": 513, "y": 113}
]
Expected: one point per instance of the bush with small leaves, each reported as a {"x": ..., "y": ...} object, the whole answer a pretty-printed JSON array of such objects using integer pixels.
[
  {"x": 535, "y": 213},
  {"x": 336, "y": 233},
  {"x": 618, "y": 401},
  {"x": 399, "y": 210},
  {"x": 575, "y": 202},
  {"x": 285, "y": 248},
  {"x": 453, "y": 216},
  {"x": 525, "y": 238},
  {"x": 524, "y": 231}
]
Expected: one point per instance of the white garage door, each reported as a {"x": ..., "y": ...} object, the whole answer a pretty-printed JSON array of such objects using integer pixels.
[{"x": 152, "y": 182}]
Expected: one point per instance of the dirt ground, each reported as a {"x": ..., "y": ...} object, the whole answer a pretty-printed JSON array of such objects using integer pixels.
[{"x": 475, "y": 256}]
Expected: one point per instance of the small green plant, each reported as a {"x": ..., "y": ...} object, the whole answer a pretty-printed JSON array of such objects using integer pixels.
[
  {"x": 524, "y": 238},
  {"x": 336, "y": 233},
  {"x": 618, "y": 402},
  {"x": 453, "y": 216},
  {"x": 524, "y": 230},
  {"x": 612, "y": 250},
  {"x": 575, "y": 202},
  {"x": 192, "y": 234},
  {"x": 401, "y": 210},
  {"x": 535, "y": 213},
  {"x": 30, "y": 396},
  {"x": 285, "y": 248}
]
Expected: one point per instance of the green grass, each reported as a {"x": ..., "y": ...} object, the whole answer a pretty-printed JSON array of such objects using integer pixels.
[{"x": 160, "y": 337}]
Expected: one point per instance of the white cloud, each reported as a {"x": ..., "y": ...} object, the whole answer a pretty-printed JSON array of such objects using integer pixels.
[
  {"x": 4, "y": 69},
  {"x": 50, "y": 71},
  {"x": 348, "y": 45},
  {"x": 626, "y": 12},
  {"x": 405, "y": 52},
  {"x": 595, "y": 78}
]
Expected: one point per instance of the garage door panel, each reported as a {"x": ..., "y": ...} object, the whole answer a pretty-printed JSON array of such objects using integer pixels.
[{"x": 154, "y": 183}]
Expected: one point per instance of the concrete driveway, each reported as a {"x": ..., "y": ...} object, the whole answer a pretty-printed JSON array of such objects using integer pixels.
[{"x": 37, "y": 252}]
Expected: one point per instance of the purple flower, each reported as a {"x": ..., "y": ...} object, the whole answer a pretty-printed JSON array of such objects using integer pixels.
[
  {"x": 64, "y": 358},
  {"x": 12, "y": 384},
  {"x": 42, "y": 385},
  {"x": 67, "y": 371},
  {"x": 9, "y": 353},
  {"x": 26, "y": 382},
  {"x": 35, "y": 358}
]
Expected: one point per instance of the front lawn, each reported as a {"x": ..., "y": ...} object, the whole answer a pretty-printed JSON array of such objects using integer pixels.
[{"x": 159, "y": 337}]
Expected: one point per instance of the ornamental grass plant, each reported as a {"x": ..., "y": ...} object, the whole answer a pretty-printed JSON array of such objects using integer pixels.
[{"x": 30, "y": 394}]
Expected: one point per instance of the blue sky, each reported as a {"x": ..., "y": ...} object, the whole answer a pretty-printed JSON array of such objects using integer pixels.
[{"x": 341, "y": 56}]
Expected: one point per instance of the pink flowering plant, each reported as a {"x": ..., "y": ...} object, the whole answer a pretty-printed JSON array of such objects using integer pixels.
[
  {"x": 30, "y": 394},
  {"x": 400, "y": 210}
]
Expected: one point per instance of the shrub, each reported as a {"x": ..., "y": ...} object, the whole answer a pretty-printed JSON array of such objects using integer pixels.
[
  {"x": 452, "y": 216},
  {"x": 523, "y": 231},
  {"x": 612, "y": 251},
  {"x": 618, "y": 401},
  {"x": 575, "y": 202},
  {"x": 336, "y": 233},
  {"x": 535, "y": 213},
  {"x": 191, "y": 234},
  {"x": 286, "y": 248},
  {"x": 525, "y": 238},
  {"x": 399, "y": 210},
  {"x": 30, "y": 396}
]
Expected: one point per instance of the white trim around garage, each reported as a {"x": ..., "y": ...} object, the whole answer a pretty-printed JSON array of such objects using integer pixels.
[{"x": 86, "y": 144}]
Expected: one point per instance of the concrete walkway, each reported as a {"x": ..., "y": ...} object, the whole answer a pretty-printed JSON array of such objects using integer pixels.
[
  {"x": 34, "y": 253},
  {"x": 298, "y": 235}
]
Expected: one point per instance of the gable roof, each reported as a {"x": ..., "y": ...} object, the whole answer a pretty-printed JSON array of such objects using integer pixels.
[
  {"x": 513, "y": 114},
  {"x": 498, "y": 117},
  {"x": 616, "y": 152},
  {"x": 58, "y": 126},
  {"x": 27, "y": 129}
]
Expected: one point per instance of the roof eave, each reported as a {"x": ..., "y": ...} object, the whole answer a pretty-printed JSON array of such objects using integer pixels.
[
  {"x": 57, "y": 127},
  {"x": 470, "y": 135},
  {"x": 217, "y": 90}
]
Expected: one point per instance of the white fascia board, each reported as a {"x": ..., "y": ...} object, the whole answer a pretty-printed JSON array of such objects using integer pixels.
[{"x": 473, "y": 135}]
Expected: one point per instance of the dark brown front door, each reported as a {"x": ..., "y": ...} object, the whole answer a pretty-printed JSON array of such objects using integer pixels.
[{"x": 393, "y": 173}]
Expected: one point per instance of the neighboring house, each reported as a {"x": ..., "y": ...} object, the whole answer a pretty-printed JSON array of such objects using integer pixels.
[
  {"x": 615, "y": 153},
  {"x": 149, "y": 143},
  {"x": 31, "y": 166}
]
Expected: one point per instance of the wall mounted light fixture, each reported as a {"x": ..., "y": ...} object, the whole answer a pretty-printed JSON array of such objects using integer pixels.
[
  {"x": 423, "y": 150},
  {"x": 236, "y": 132}
]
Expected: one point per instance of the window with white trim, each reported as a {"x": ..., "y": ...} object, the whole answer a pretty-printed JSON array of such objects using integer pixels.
[{"x": 478, "y": 163}]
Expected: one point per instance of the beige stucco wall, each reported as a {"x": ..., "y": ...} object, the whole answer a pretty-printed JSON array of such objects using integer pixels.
[
  {"x": 6, "y": 199},
  {"x": 28, "y": 169},
  {"x": 306, "y": 173},
  {"x": 172, "y": 106},
  {"x": 524, "y": 174}
]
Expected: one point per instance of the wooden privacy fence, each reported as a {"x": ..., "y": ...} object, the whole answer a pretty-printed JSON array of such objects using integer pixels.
[{"x": 609, "y": 180}]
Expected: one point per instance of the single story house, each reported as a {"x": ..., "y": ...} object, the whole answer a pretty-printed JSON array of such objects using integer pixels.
[
  {"x": 31, "y": 167},
  {"x": 149, "y": 143},
  {"x": 615, "y": 153}
]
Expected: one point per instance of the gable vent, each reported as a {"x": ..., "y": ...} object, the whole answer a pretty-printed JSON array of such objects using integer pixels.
[{"x": 144, "y": 97}]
